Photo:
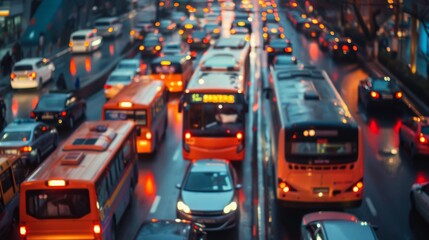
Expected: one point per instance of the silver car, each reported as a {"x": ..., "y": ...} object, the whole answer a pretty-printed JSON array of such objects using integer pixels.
[
  {"x": 335, "y": 225},
  {"x": 419, "y": 197},
  {"x": 209, "y": 195}
]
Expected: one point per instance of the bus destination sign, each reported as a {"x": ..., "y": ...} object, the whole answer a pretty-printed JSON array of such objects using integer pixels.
[{"x": 212, "y": 98}]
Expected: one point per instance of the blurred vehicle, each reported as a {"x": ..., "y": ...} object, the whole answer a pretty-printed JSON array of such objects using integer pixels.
[
  {"x": 374, "y": 93},
  {"x": 209, "y": 194},
  {"x": 151, "y": 47},
  {"x": 240, "y": 31},
  {"x": 116, "y": 81},
  {"x": 227, "y": 6},
  {"x": 213, "y": 29},
  {"x": 108, "y": 27},
  {"x": 31, "y": 73},
  {"x": 215, "y": 8},
  {"x": 199, "y": 40},
  {"x": 166, "y": 26},
  {"x": 327, "y": 38},
  {"x": 141, "y": 28},
  {"x": 86, "y": 40},
  {"x": 188, "y": 27},
  {"x": 242, "y": 16},
  {"x": 170, "y": 229},
  {"x": 335, "y": 225},
  {"x": 414, "y": 135},
  {"x": 272, "y": 31},
  {"x": 297, "y": 18},
  {"x": 278, "y": 46},
  {"x": 212, "y": 18},
  {"x": 32, "y": 140},
  {"x": 419, "y": 197},
  {"x": 2, "y": 113},
  {"x": 132, "y": 64},
  {"x": 343, "y": 48},
  {"x": 178, "y": 17},
  {"x": 270, "y": 18},
  {"x": 175, "y": 71},
  {"x": 242, "y": 23},
  {"x": 313, "y": 28},
  {"x": 59, "y": 108},
  {"x": 176, "y": 48},
  {"x": 155, "y": 35},
  {"x": 284, "y": 60}
]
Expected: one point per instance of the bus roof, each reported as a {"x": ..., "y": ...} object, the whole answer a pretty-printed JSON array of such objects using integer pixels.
[
  {"x": 307, "y": 95},
  {"x": 171, "y": 59},
  {"x": 212, "y": 81},
  {"x": 83, "y": 155},
  {"x": 140, "y": 94}
]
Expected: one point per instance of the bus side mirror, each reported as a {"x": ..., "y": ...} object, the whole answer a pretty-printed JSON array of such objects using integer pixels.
[{"x": 138, "y": 131}]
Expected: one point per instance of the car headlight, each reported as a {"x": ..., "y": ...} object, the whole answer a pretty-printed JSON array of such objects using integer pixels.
[
  {"x": 181, "y": 206},
  {"x": 230, "y": 207}
]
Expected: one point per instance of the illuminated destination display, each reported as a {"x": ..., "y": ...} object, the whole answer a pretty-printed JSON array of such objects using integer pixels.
[{"x": 212, "y": 98}]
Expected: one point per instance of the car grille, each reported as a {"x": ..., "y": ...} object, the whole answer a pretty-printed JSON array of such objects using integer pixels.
[{"x": 207, "y": 213}]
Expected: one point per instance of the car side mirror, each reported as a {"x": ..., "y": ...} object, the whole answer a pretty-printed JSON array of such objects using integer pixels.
[
  {"x": 178, "y": 186},
  {"x": 238, "y": 186}
]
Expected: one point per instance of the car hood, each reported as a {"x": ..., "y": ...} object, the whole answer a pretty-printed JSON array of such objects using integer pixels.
[{"x": 207, "y": 201}]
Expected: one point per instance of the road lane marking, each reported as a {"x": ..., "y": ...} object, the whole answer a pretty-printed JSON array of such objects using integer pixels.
[
  {"x": 176, "y": 154},
  {"x": 371, "y": 206},
  {"x": 155, "y": 204}
]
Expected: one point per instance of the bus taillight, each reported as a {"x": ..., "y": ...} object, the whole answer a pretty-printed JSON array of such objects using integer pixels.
[
  {"x": 187, "y": 135},
  {"x": 148, "y": 135},
  {"x": 285, "y": 187},
  {"x": 179, "y": 83},
  {"x": 239, "y": 136},
  {"x": 22, "y": 231},
  {"x": 97, "y": 229},
  {"x": 358, "y": 186},
  {"x": 374, "y": 94}
]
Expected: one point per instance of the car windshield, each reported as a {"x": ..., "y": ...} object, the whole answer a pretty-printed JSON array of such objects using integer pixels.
[
  {"x": 15, "y": 136},
  {"x": 208, "y": 182},
  {"x": 51, "y": 102},
  {"x": 79, "y": 37},
  {"x": 151, "y": 42},
  {"x": 23, "y": 68},
  {"x": 172, "y": 47},
  {"x": 198, "y": 34},
  {"x": 381, "y": 85},
  {"x": 102, "y": 24}
]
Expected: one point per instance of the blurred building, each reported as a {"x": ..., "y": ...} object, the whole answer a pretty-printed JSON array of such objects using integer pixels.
[{"x": 11, "y": 20}]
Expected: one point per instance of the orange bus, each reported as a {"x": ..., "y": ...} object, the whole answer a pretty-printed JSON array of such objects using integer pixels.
[
  {"x": 175, "y": 71},
  {"x": 13, "y": 171},
  {"x": 214, "y": 109},
  {"x": 83, "y": 188},
  {"x": 145, "y": 103}
]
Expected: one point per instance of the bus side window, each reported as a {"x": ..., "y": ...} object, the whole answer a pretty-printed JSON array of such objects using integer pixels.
[
  {"x": 6, "y": 181},
  {"x": 102, "y": 191}
]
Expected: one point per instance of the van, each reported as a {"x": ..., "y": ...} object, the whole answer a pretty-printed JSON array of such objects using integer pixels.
[
  {"x": 85, "y": 41},
  {"x": 108, "y": 27}
]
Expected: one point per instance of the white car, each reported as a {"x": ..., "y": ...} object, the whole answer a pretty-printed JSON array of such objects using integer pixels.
[
  {"x": 117, "y": 80},
  {"x": 419, "y": 197},
  {"x": 108, "y": 27},
  {"x": 132, "y": 64},
  {"x": 31, "y": 73},
  {"x": 85, "y": 41}
]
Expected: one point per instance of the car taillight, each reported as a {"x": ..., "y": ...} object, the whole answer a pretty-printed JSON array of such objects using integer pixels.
[
  {"x": 355, "y": 48},
  {"x": 205, "y": 40},
  {"x": 32, "y": 75},
  {"x": 335, "y": 47},
  {"x": 26, "y": 149},
  {"x": 398, "y": 95},
  {"x": 148, "y": 135},
  {"x": 345, "y": 48},
  {"x": 189, "y": 40},
  {"x": 63, "y": 114},
  {"x": 187, "y": 135},
  {"x": 32, "y": 115},
  {"x": 141, "y": 47},
  {"x": 288, "y": 49},
  {"x": 12, "y": 76},
  {"x": 270, "y": 49},
  {"x": 107, "y": 86},
  {"x": 423, "y": 139},
  {"x": 374, "y": 94}
]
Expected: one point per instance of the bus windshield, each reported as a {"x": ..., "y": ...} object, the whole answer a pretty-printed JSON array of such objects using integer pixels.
[
  {"x": 56, "y": 204},
  {"x": 139, "y": 116},
  {"x": 216, "y": 118}
]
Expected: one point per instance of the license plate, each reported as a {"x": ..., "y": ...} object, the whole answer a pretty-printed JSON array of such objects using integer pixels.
[
  {"x": 206, "y": 220},
  {"x": 387, "y": 96},
  {"x": 197, "y": 40},
  {"x": 321, "y": 190},
  {"x": 22, "y": 78},
  {"x": 47, "y": 116}
]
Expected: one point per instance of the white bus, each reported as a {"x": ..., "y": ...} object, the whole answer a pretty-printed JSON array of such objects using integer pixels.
[{"x": 316, "y": 144}]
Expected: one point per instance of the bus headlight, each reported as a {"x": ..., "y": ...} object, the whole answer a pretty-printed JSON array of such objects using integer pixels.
[
  {"x": 230, "y": 207},
  {"x": 285, "y": 187},
  {"x": 181, "y": 206},
  {"x": 356, "y": 187}
]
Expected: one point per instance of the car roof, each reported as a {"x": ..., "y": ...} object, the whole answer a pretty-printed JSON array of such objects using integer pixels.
[
  {"x": 348, "y": 230},
  {"x": 83, "y": 32},
  {"x": 210, "y": 165},
  {"x": 27, "y": 61},
  {"x": 131, "y": 60},
  {"x": 22, "y": 125}
]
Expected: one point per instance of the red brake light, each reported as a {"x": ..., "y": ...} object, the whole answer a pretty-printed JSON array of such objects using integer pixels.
[
  {"x": 270, "y": 49},
  {"x": 12, "y": 75},
  {"x": 63, "y": 113},
  {"x": 107, "y": 86},
  {"x": 422, "y": 139},
  {"x": 374, "y": 94},
  {"x": 288, "y": 49},
  {"x": 33, "y": 75},
  {"x": 398, "y": 95},
  {"x": 189, "y": 40},
  {"x": 26, "y": 149},
  {"x": 187, "y": 135},
  {"x": 205, "y": 40},
  {"x": 32, "y": 115},
  {"x": 345, "y": 48}
]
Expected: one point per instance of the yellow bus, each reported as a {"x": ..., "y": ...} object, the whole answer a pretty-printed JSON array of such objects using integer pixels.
[
  {"x": 318, "y": 157},
  {"x": 175, "y": 71},
  {"x": 145, "y": 103},
  {"x": 13, "y": 171},
  {"x": 83, "y": 188}
]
